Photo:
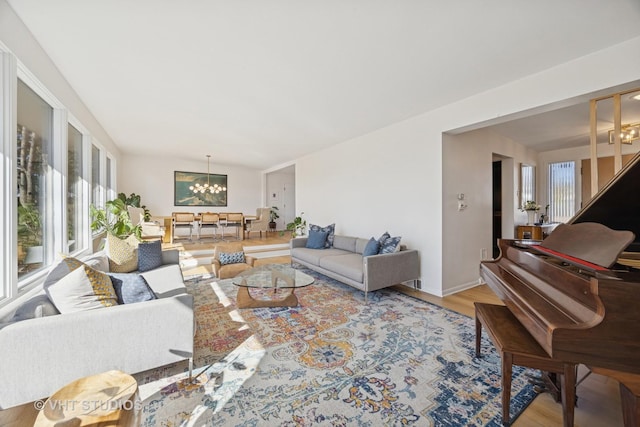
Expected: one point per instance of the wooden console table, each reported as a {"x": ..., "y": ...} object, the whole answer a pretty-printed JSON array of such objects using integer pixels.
[{"x": 534, "y": 232}]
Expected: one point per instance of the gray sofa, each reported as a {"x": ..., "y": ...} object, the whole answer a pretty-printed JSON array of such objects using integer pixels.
[
  {"x": 41, "y": 354},
  {"x": 345, "y": 263}
]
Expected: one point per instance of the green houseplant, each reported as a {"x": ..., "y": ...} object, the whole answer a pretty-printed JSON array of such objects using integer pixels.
[
  {"x": 298, "y": 226},
  {"x": 114, "y": 219},
  {"x": 273, "y": 215}
]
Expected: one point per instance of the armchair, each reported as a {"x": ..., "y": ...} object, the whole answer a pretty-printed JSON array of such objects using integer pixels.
[
  {"x": 224, "y": 270},
  {"x": 261, "y": 223},
  {"x": 151, "y": 230}
]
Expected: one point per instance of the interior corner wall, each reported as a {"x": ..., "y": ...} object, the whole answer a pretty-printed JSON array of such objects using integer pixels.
[
  {"x": 467, "y": 160},
  {"x": 152, "y": 178},
  {"x": 393, "y": 179}
]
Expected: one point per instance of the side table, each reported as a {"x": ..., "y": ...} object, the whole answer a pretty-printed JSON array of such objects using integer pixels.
[{"x": 106, "y": 399}]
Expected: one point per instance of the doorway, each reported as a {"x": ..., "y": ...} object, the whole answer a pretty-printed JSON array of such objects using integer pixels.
[
  {"x": 281, "y": 193},
  {"x": 496, "y": 206}
]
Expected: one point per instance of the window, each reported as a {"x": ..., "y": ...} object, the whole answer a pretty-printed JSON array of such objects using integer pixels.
[
  {"x": 562, "y": 191},
  {"x": 34, "y": 142},
  {"x": 96, "y": 198},
  {"x": 527, "y": 184},
  {"x": 74, "y": 189}
]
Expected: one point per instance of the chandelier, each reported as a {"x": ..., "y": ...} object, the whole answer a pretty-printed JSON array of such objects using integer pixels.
[
  {"x": 628, "y": 133},
  {"x": 207, "y": 188}
]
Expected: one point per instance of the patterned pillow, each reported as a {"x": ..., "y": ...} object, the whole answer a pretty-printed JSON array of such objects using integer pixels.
[
  {"x": 82, "y": 289},
  {"x": 231, "y": 258},
  {"x": 130, "y": 288},
  {"x": 123, "y": 254},
  {"x": 384, "y": 237},
  {"x": 331, "y": 233},
  {"x": 149, "y": 255},
  {"x": 390, "y": 245}
]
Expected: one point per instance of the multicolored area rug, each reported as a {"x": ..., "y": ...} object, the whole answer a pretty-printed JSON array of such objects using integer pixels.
[{"x": 335, "y": 360}]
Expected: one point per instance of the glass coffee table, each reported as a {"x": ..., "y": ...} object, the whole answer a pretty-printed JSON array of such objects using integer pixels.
[{"x": 270, "y": 276}]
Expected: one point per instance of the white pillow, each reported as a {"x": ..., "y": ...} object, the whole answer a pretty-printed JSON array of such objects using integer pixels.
[{"x": 82, "y": 289}]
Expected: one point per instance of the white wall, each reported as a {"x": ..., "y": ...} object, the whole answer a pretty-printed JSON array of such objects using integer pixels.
[
  {"x": 392, "y": 179},
  {"x": 467, "y": 160},
  {"x": 152, "y": 178},
  {"x": 15, "y": 36}
]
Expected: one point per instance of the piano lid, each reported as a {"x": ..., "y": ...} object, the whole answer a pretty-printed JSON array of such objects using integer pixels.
[{"x": 617, "y": 204}]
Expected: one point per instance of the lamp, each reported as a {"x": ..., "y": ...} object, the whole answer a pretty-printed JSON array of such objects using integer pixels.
[
  {"x": 628, "y": 133},
  {"x": 207, "y": 188}
]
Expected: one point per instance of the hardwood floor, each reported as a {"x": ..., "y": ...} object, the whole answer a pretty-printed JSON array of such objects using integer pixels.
[{"x": 598, "y": 396}]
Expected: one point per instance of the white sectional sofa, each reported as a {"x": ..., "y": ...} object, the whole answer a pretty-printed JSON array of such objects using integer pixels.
[
  {"x": 344, "y": 262},
  {"x": 42, "y": 350}
]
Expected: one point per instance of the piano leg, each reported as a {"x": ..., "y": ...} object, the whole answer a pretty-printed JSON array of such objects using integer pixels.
[
  {"x": 568, "y": 393},
  {"x": 630, "y": 407}
]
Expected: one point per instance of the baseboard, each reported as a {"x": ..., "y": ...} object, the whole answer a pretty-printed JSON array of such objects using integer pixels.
[{"x": 460, "y": 288}]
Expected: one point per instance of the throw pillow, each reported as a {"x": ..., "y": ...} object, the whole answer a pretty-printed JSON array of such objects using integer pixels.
[
  {"x": 82, "y": 289},
  {"x": 317, "y": 239},
  {"x": 123, "y": 254},
  {"x": 231, "y": 258},
  {"x": 149, "y": 255},
  {"x": 384, "y": 237},
  {"x": 331, "y": 228},
  {"x": 372, "y": 247},
  {"x": 130, "y": 288},
  {"x": 390, "y": 245},
  {"x": 37, "y": 306},
  {"x": 65, "y": 266}
]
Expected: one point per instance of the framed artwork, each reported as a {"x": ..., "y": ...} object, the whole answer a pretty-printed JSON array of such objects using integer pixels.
[
  {"x": 184, "y": 184},
  {"x": 275, "y": 196}
]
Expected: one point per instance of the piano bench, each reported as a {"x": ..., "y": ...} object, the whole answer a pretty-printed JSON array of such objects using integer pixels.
[{"x": 517, "y": 347}]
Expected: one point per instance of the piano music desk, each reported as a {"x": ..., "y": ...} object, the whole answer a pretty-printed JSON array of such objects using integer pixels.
[{"x": 517, "y": 347}]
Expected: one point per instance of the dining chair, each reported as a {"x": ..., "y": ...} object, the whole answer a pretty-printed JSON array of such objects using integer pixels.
[
  {"x": 233, "y": 220},
  {"x": 209, "y": 220},
  {"x": 182, "y": 220}
]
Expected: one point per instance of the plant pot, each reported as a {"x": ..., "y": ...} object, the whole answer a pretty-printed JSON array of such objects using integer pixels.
[
  {"x": 272, "y": 225},
  {"x": 531, "y": 217}
]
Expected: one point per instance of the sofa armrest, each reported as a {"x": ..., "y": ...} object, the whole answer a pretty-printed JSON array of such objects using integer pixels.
[
  {"x": 43, "y": 354},
  {"x": 298, "y": 242},
  {"x": 385, "y": 270}
]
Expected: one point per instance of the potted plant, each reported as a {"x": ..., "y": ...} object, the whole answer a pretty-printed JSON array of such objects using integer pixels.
[
  {"x": 114, "y": 219},
  {"x": 298, "y": 226},
  {"x": 30, "y": 234},
  {"x": 273, "y": 215}
]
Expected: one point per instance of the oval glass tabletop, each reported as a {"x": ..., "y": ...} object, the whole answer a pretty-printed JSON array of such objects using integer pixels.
[{"x": 273, "y": 276}]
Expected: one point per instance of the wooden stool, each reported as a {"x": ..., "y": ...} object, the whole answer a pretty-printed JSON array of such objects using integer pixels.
[
  {"x": 517, "y": 347},
  {"x": 106, "y": 399}
]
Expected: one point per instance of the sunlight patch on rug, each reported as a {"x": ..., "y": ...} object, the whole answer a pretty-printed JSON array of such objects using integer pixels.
[{"x": 333, "y": 360}]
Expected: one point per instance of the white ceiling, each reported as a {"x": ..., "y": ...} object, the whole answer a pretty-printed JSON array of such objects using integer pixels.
[{"x": 262, "y": 82}]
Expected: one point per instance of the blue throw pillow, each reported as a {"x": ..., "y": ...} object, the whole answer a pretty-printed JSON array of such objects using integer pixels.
[
  {"x": 149, "y": 255},
  {"x": 317, "y": 239},
  {"x": 390, "y": 245},
  {"x": 231, "y": 258},
  {"x": 330, "y": 229},
  {"x": 130, "y": 288},
  {"x": 384, "y": 237},
  {"x": 372, "y": 247}
]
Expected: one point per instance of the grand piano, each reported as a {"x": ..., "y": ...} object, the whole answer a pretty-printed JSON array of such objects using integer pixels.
[{"x": 578, "y": 291}]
